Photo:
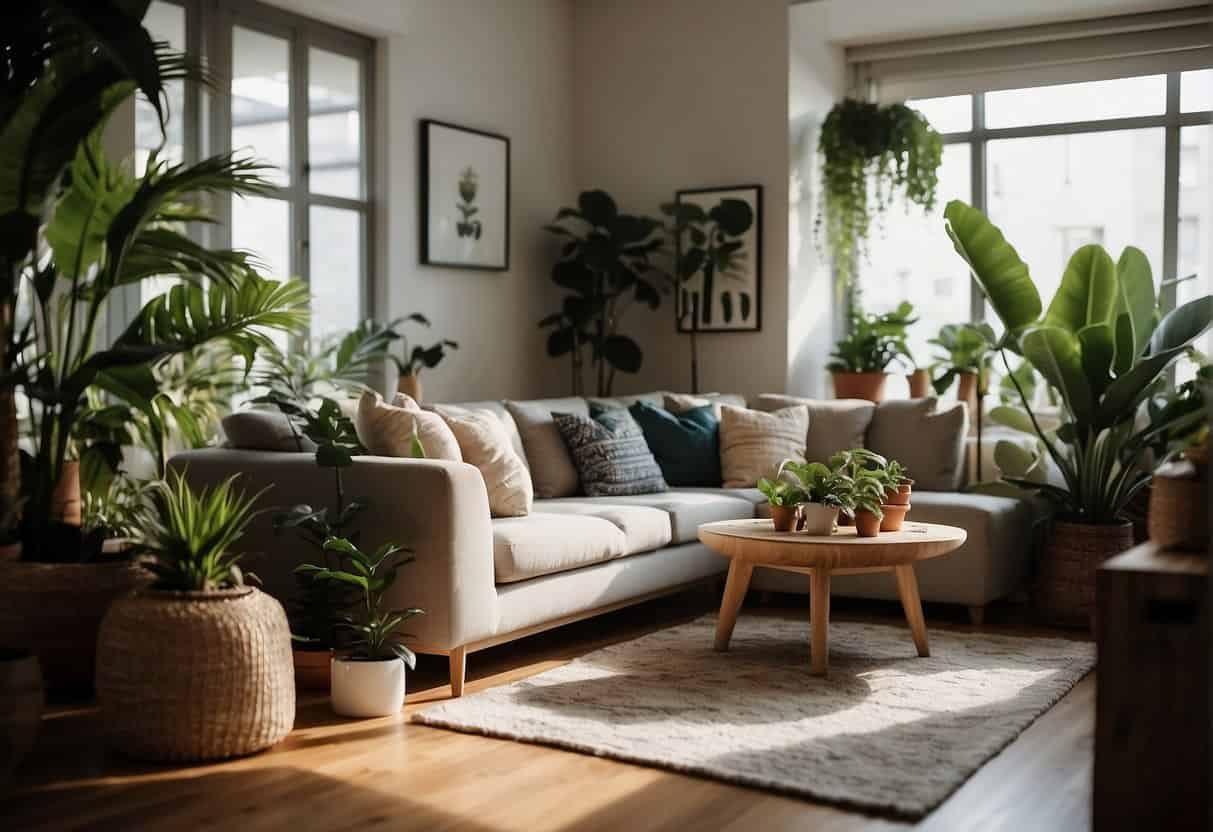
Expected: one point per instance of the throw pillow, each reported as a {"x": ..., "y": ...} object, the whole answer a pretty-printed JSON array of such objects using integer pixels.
[
  {"x": 610, "y": 452},
  {"x": 928, "y": 440},
  {"x": 680, "y": 403},
  {"x": 834, "y": 424},
  {"x": 387, "y": 429},
  {"x": 687, "y": 447},
  {"x": 263, "y": 430},
  {"x": 483, "y": 442},
  {"x": 753, "y": 443},
  {"x": 552, "y": 470}
]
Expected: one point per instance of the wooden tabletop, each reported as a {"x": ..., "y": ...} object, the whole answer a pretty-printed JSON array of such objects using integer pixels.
[{"x": 758, "y": 542}]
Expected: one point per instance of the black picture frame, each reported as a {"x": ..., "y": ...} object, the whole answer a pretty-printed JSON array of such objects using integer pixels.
[
  {"x": 756, "y": 203},
  {"x": 431, "y": 254}
]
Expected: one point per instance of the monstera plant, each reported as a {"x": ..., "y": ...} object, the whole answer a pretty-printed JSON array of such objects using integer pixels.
[{"x": 1103, "y": 345}]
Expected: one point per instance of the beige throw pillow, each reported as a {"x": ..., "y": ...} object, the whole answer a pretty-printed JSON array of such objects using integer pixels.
[
  {"x": 753, "y": 443},
  {"x": 484, "y": 442},
  {"x": 387, "y": 429},
  {"x": 834, "y": 424}
]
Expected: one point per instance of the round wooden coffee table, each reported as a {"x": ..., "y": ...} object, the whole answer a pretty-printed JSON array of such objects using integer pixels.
[{"x": 753, "y": 543}]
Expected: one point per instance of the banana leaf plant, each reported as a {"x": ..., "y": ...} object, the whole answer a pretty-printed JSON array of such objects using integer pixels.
[{"x": 1104, "y": 345}]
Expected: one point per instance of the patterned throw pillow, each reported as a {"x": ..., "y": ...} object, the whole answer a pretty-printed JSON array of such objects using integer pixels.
[{"x": 610, "y": 453}]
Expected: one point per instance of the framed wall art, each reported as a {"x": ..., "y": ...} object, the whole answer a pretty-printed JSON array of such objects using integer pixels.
[{"x": 722, "y": 235}]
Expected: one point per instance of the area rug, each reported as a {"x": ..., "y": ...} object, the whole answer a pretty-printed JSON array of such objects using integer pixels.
[{"x": 886, "y": 731}]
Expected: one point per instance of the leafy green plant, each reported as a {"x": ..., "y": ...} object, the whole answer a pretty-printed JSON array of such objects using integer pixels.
[
  {"x": 412, "y": 362},
  {"x": 967, "y": 348},
  {"x": 868, "y": 493},
  {"x": 188, "y": 536},
  {"x": 874, "y": 341},
  {"x": 375, "y": 630},
  {"x": 1174, "y": 407},
  {"x": 1103, "y": 345},
  {"x": 607, "y": 263},
  {"x": 781, "y": 493},
  {"x": 869, "y": 153},
  {"x": 820, "y": 483},
  {"x": 896, "y": 473}
]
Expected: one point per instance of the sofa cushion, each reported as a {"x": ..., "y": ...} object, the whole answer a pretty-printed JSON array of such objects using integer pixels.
[
  {"x": 497, "y": 408},
  {"x": 610, "y": 453},
  {"x": 541, "y": 543},
  {"x": 687, "y": 447},
  {"x": 388, "y": 429},
  {"x": 552, "y": 471},
  {"x": 834, "y": 424},
  {"x": 263, "y": 430},
  {"x": 483, "y": 442},
  {"x": 926, "y": 439},
  {"x": 644, "y": 528},
  {"x": 753, "y": 444},
  {"x": 687, "y": 509}
]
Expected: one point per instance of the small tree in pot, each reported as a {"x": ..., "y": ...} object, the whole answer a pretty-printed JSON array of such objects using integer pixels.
[{"x": 863, "y": 354}]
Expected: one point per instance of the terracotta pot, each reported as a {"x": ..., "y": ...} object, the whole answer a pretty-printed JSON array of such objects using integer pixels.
[
  {"x": 1178, "y": 516},
  {"x": 65, "y": 496},
  {"x": 867, "y": 524},
  {"x": 920, "y": 383},
  {"x": 893, "y": 516},
  {"x": 1065, "y": 587},
  {"x": 783, "y": 517},
  {"x": 869, "y": 386},
  {"x": 410, "y": 385},
  {"x": 817, "y": 518},
  {"x": 900, "y": 497},
  {"x": 21, "y": 704},
  {"x": 313, "y": 669}
]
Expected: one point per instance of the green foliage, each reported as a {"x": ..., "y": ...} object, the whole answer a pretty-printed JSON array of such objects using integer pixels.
[
  {"x": 419, "y": 358},
  {"x": 606, "y": 264},
  {"x": 1104, "y": 347},
  {"x": 782, "y": 493},
  {"x": 870, "y": 152},
  {"x": 375, "y": 630},
  {"x": 820, "y": 483},
  {"x": 188, "y": 536},
  {"x": 967, "y": 348},
  {"x": 873, "y": 341}
]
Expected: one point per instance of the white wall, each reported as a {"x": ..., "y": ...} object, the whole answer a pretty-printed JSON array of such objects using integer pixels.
[{"x": 679, "y": 94}]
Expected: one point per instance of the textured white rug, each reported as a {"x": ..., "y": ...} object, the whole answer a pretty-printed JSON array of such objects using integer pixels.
[{"x": 887, "y": 731}]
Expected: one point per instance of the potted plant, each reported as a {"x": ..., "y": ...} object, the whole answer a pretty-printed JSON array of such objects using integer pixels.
[
  {"x": 900, "y": 484},
  {"x": 784, "y": 498},
  {"x": 919, "y": 380},
  {"x": 869, "y": 154},
  {"x": 826, "y": 491},
  {"x": 863, "y": 354},
  {"x": 409, "y": 364},
  {"x": 967, "y": 358},
  {"x": 867, "y": 503},
  {"x": 1103, "y": 345},
  {"x": 198, "y": 666},
  {"x": 368, "y": 677}
]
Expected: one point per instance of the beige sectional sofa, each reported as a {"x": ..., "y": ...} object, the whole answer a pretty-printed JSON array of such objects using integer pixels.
[{"x": 484, "y": 581}]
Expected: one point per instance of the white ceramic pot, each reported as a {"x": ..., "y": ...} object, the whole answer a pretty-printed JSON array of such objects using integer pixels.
[
  {"x": 818, "y": 518},
  {"x": 363, "y": 688}
]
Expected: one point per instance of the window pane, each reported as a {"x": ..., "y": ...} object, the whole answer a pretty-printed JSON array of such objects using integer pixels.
[
  {"x": 951, "y": 114},
  {"x": 1196, "y": 91},
  {"x": 913, "y": 259},
  {"x": 165, "y": 22},
  {"x": 334, "y": 124},
  {"x": 1052, "y": 194},
  {"x": 262, "y": 225},
  {"x": 261, "y": 99},
  {"x": 335, "y": 269},
  {"x": 1196, "y": 222},
  {"x": 1088, "y": 101}
]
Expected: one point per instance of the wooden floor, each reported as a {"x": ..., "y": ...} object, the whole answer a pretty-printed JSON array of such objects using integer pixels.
[{"x": 332, "y": 773}]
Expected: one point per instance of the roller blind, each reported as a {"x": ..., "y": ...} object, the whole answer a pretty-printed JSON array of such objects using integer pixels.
[{"x": 1056, "y": 53}]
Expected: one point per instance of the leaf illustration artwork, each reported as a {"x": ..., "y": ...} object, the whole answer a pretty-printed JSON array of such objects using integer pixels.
[
  {"x": 713, "y": 250},
  {"x": 468, "y": 226}
]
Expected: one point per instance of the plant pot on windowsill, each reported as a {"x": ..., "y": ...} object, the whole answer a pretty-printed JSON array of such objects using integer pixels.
[
  {"x": 367, "y": 687},
  {"x": 920, "y": 383},
  {"x": 868, "y": 386},
  {"x": 1065, "y": 588},
  {"x": 818, "y": 518},
  {"x": 410, "y": 385}
]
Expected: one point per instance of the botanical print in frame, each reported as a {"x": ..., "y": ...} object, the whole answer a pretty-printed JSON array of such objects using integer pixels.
[
  {"x": 465, "y": 197},
  {"x": 729, "y": 232}
]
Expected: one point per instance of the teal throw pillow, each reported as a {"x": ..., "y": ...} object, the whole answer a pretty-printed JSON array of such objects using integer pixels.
[{"x": 686, "y": 446}]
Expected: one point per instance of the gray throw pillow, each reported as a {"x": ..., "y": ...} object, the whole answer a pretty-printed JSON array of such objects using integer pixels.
[
  {"x": 834, "y": 424},
  {"x": 927, "y": 439},
  {"x": 553, "y": 473},
  {"x": 611, "y": 455},
  {"x": 263, "y": 430}
]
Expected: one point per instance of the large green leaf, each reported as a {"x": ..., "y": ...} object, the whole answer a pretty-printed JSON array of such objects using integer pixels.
[
  {"x": 1056, "y": 354},
  {"x": 1015, "y": 418},
  {"x": 1087, "y": 294},
  {"x": 995, "y": 264},
  {"x": 1135, "y": 296},
  {"x": 1098, "y": 351}
]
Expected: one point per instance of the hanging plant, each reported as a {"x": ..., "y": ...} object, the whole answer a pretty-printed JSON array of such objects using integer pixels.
[{"x": 870, "y": 154}]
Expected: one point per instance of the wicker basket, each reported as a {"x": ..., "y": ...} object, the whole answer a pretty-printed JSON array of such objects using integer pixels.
[
  {"x": 55, "y": 609},
  {"x": 1179, "y": 507},
  {"x": 195, "y": 675},
  {"x": 1065, "y": 589}
]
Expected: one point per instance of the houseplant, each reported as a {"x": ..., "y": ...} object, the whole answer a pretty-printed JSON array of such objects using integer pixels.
[
  {"x": 784, "y": 498},
  {"x": 967, "y": 358},
  {"x": 410, "y": 363},
  {"x": 198, "y": 666},
  {"x": 869, "y": 154},
  {"x": 368, "y": 678},
  {"x": 826, "y": 491},
  {"x": 607, "y": 263},
  {"x": 868, "y": 509},
  {"x": 1102, "y": 345},
  {"x": 863, "y": 354}
]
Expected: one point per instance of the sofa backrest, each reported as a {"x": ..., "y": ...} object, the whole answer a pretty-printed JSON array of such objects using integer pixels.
[{"x": 497, "y": 408}]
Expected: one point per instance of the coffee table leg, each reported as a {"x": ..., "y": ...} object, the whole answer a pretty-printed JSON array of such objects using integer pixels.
[
  {"x": 819, "y": 621},
  {"x": 730, "y": 605},
  {"x": 907, "y": 588}
]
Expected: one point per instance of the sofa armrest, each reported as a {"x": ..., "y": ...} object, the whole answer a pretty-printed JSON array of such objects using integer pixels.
[{"x": 438, "y": 509}]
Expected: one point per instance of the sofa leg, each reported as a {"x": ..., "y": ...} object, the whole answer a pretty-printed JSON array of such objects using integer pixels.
[
  {"x": 459, "y": 666},
  {"x": 977, "y": 615}
]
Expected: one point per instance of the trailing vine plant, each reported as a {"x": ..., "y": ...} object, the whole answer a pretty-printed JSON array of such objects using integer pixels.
[{"x": 870, "y": 154}]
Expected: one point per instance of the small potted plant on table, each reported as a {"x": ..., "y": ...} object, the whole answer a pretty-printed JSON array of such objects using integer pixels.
[
  {"x": 867, "y": 502},
  {"x": 368, "y": 677},
  {"x": 862, "y": 356},
  {"x": 784, "y": 498},
  {"x": 826, "y": 491}
]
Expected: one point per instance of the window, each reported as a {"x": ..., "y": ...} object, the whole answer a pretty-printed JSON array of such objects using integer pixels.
[{"x": 299, "y": 92}]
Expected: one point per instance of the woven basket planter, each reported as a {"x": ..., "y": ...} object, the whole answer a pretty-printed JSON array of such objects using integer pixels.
[
  {"x": 1065, "y": 589},
  {"x": 1179, "y": 507},
  {"x": 55, "y": 609},
  {"x": 195, "y": 675}
]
